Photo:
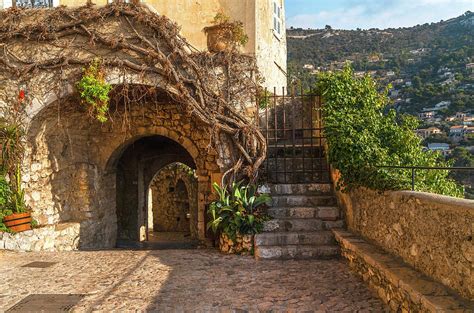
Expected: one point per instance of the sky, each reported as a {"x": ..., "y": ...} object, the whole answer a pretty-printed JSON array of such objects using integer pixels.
[{"x": 352, "y": 14}]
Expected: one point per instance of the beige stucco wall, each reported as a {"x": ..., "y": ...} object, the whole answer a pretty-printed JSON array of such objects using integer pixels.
[
  {"x": 257, "y": 16},
  {"x": 271, "y": 50}
]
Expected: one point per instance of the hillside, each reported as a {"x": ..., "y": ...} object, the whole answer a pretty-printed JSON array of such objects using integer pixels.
[{"x": 426, "y": 64}]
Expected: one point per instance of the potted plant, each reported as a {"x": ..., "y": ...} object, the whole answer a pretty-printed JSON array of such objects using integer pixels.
[
  {"x": 14, "y": 215},
  {"x": 225, "y": 35},
  {"x": 237, "y": 215}
]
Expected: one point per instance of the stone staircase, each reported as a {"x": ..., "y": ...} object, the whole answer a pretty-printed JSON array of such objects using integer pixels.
[{"x": 303, "y": 216}]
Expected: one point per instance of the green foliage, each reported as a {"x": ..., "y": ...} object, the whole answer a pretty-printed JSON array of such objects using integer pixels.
[
  {"x": 11, "y": 139},
  {"x": 95, "y": 90},
  {"x": 447, "y": 44},
  {"x": 4, "y": 201},
  {"x": 239, "y": 210},
  {"x": 236, "y": 28},
  {"x": 463, "y": 158},
  {"x": 264, "y": 98},
  {"x": 361, "y": 138},
  {"x": 34, "y": 223}
]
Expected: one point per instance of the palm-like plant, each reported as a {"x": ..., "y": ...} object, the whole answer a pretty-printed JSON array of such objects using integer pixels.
[
  {"x": 238, "y": 211},
  {"x": 11, "y": 141}
]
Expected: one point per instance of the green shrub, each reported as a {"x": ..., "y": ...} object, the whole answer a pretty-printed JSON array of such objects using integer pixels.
[
  {"x": 95, "y": 90},
  {"x": 361, "y": 137},
  {"x": 239, "y": 210}
]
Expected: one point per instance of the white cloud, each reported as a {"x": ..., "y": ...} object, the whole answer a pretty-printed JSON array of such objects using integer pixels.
[{"x": 383, "y": 13}]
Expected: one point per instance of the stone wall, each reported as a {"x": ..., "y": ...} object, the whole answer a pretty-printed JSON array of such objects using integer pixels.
[
  {"x": 71, "y": 164},
  {"x": 432, "y": 233},
  {"x": 174, "y": 195},
  {"x": 62, "y": 237},
  {"x": 401, "y": 287}
]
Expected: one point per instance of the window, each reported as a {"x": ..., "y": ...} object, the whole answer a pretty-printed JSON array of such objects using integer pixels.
[
  {"x": 30, "y": 3},
  {"x": 34, "y": 3},
  {"x": 277, "y": 18}
]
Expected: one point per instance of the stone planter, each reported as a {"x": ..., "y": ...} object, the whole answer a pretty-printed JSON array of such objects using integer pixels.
[
  {"x": 18, "y": 222},
  {"x": 219, "y": 38},
  {"x": 243, "y": 244}
]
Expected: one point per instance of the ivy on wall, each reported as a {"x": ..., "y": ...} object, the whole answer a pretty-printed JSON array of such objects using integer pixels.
[
  {"x": 362, "y": 135},
  {"x": 95, "y": 90}
]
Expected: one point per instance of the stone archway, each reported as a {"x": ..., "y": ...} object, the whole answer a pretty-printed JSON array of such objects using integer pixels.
[
  {"x": 71, "y": 164},
  {"x": 135, "y": 170}
]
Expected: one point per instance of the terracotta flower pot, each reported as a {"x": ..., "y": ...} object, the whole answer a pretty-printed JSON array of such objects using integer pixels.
[
  {"x": 18, "y": 222},
  {"x": 243, "y": 244},
  {"x": 219, "y": 38}
]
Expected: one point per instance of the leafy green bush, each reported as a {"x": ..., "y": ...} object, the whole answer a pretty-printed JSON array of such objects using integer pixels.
[
  {"x": 239, "y": 210},
  {"x": 95, "y": 90},
  {"x": 361, "y": 138},
  {"x": 5, "y": 195}
]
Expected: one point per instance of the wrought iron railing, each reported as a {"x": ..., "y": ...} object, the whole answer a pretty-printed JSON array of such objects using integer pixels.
[{"x": 465, "y": 180}]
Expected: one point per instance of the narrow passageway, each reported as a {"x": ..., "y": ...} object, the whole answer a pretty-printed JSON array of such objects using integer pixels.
[
  {"x": 185, "y": 281},
  {"x": 156, "y": 195},
  {"x": 172, "y": 207}
]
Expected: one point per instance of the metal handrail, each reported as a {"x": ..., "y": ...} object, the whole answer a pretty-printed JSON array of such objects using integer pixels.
[{"x": 414, "y": 168}]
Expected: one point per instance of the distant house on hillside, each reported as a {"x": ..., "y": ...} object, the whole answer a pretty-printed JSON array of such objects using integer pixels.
[
  {"x": 427, "y": 132},
  {"x": 468, "y": 120},
  {"x": 456, "y": 133},
  {"x": 458, "y": 129},
  {"x": 426, "y": 115},
  {"x": 439, "y": 106},
  {"x": 441, "y": 147},
  {"x": 469, "y": 130},
  {"x": 460, "y": 115}
]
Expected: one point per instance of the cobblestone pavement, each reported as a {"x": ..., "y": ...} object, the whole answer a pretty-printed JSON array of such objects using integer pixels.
[{"x": 185, "y": 281}]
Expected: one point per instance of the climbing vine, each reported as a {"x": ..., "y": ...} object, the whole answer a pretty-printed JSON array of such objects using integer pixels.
[
  {"x": 47, "y": 50},
  {"x": 95, "y": 90}
]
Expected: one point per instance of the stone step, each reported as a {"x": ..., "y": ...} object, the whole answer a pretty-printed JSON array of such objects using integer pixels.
[
  {"x": 300, "y": 189},
  {"x": 331, "y": 213},
  {"x": 296, "y": 164},
  {"x": 300, "y": 224},
  {"x": 319, "y": 238},
  {"x": 302, "y": 200},
  {"x": 297, "y": 252},
  {"x": 296, "y": 177}
]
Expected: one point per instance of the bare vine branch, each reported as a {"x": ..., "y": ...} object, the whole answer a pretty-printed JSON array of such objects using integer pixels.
[{"x": 212, "y": 88}]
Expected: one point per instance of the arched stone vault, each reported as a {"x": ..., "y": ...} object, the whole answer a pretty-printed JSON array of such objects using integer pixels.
[{"x": 72, "y": 162}]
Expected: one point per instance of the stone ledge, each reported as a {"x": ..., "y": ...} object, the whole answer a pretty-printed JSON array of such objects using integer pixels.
[
  {"x": 60, "y": 237},
  {"x": 451, "y": 203},
  {"x": 397, "y": 284}
]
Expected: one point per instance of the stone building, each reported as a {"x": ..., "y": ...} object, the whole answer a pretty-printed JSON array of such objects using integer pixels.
[
  {"x": 264, "y": 23},
  {"x": 88, "y": 182}
]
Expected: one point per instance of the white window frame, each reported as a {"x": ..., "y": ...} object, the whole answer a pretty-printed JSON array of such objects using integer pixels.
[
  {"x": 277, "y": 21},
  {"x": 9, "y": 3}
]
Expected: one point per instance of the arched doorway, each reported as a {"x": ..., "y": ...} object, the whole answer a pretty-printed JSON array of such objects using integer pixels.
[
  {"x": 96, "y": 175},
  {"x": 137, "y": 167},
  {"x": 173, "y": 206}
]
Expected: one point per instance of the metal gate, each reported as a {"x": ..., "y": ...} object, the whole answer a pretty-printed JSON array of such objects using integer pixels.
[{"x": 292, "y": 126}]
